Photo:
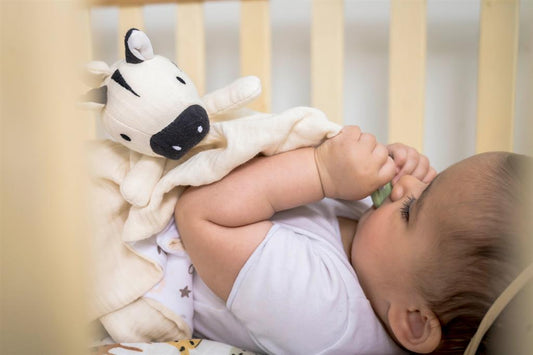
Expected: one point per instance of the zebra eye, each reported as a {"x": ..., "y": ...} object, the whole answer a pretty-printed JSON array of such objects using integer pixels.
[
  {"x": 125, "y": 137},
  {"x": 181, "y": 80}
]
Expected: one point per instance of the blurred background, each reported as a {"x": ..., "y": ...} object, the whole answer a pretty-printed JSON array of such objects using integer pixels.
[{"x": 451, "y": 63}]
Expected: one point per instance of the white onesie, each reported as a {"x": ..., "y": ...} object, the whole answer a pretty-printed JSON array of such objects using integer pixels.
[{"x": 297, "y": 293}]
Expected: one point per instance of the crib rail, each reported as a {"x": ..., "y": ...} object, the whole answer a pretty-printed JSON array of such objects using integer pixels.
[
  {"x": 498, "y": 51},
  {"x": 327, "y": 62},
  {"x": 407, "y": 60},
  {"x": 407, "y": 69}
]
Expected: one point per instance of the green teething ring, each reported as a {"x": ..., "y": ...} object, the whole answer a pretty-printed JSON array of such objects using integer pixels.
[{"x": 381, "y": 194}]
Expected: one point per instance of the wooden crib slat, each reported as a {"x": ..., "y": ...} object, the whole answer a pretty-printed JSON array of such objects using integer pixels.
[
  {"x": 256, "y": 47},
  {"x": 89, "y": 125},
  {"x": 43, "y": 222},
  {"x": 498, "y": 50},
  {"x": 190, "y": 42},
  {"x": 407, "y": 66},
  {"x": 135, "y": 2},
  {"x": 327, "y": 57},
  {"x": 128, "y": 17},
  {"x": 87, "y": 32}
]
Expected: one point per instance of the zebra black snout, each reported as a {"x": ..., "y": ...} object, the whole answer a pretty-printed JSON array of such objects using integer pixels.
[{"x": 186, "y": 131}]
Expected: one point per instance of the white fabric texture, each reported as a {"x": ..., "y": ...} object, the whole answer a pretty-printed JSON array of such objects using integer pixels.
[{"x": 297, "y": 293}]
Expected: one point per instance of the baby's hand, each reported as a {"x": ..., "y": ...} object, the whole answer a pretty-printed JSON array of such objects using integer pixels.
[
  {"x": 352, "y": 164},
  {"x": 409, "y": 162}
]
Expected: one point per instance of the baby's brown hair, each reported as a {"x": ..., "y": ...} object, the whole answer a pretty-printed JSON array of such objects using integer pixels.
[{"x": 476, "y": 249}]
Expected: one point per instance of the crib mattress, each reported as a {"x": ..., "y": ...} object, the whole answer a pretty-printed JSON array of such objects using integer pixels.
[{"x": 181, "y": 347}]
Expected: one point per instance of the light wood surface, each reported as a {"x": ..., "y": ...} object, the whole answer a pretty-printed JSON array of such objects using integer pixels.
[
  {"x": 255, "y": 47},
  {"x": 498, "y": 48},
  {"x": 190, "y": 42},
  {"x": 87, "y": 53},
  {"x": 407, "y": 69},
  {"x": 138, "y": 2},
  {"x": 128, "y": 17},
  {"x": 42, "y": 219},
  {"x": 327, "y": 57}
]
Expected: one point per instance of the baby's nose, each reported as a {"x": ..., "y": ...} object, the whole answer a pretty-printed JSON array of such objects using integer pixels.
[{"x": 403, "y": 186}]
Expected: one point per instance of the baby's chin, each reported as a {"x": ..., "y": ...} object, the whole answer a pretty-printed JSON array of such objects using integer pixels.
[{"x": 360, "y": 223}]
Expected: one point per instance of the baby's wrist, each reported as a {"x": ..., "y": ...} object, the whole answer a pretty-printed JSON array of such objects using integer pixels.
[{"x": 322, "y": 173}]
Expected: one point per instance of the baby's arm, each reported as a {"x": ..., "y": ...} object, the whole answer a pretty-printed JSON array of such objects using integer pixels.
[{"x": 221, "y": 224}]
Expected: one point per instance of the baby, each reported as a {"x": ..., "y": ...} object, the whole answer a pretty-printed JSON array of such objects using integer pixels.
[{"x": 288, "y": 263}]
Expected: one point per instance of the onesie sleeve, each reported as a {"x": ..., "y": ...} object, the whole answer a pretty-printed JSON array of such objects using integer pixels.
[{"x": 293, "y": 294}]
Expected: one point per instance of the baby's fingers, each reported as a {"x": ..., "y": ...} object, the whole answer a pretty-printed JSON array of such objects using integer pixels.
[
  {"x": 422, "y": 168},
  {"x": 398, "y": 152},
  {"x": 410, "y": 164},
  {"x": 380, "y": 153},
  {"x": 432, "y": 173},
  {"x": 387, "y": 172}
]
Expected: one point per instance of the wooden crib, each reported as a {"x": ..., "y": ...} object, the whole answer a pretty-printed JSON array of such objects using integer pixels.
[
  {"x": 498, "y": 47},
  {"x": 496, "y": 97}
]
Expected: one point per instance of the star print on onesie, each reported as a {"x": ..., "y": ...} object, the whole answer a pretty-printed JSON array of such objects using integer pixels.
[
  {"x": 174, "y": 291},
  {"x": 185, "y": 291}
]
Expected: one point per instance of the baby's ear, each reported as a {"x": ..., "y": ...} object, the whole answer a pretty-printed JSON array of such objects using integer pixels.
[{"x": 417, "y": 330}]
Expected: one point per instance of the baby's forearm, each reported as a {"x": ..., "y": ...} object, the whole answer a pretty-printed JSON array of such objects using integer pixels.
[{"x": 256, "y": 190}]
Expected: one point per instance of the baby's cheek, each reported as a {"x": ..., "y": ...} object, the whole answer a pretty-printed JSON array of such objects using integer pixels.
[
  {"x": 363, "y": 244},
  {"x": 376, "y": 231}
]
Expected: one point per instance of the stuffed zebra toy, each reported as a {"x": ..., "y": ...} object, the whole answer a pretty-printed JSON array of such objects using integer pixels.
[{"x": 148, "y": 104}]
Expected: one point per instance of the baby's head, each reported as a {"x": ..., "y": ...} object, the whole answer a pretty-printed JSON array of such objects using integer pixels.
[{"x": 432, "y": 259}]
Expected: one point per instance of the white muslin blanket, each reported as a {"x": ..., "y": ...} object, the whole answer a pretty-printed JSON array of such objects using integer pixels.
[{"x": 121, "y": 274}]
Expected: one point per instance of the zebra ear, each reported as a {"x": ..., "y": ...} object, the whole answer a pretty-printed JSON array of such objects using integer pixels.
[
  {"x": 95, "y": 73},
  {"x": 94, "y": 99},
  {"x": 138, "y": 46}
]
